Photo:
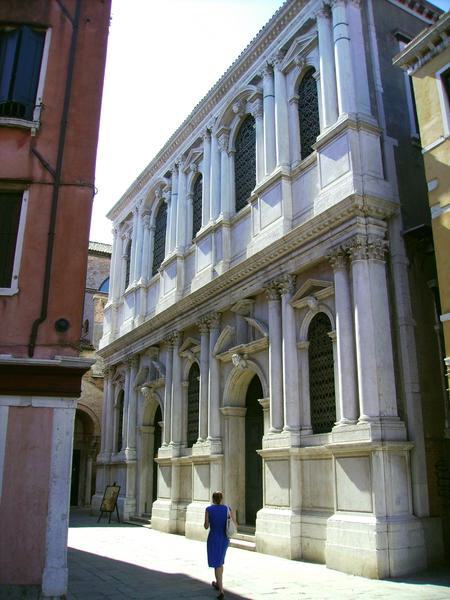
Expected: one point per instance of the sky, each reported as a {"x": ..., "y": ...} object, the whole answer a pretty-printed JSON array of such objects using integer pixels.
[{"x": 163, "y": 57}]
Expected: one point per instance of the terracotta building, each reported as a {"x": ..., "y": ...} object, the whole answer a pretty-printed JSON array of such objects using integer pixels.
[
  {"x": 426, "y": 60},
  {"x": 52, "y": 60}
]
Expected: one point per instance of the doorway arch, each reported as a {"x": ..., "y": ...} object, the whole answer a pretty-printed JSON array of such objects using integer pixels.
[{"x": 149, "y": 443}]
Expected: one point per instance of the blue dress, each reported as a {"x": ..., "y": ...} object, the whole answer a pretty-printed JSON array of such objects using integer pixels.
[{"x": 217, "y": 538}]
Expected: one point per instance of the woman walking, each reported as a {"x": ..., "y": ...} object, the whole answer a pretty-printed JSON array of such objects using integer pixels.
[{"x": 216, "y": 520}]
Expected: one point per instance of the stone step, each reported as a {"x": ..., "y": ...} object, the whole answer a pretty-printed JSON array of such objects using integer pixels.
[
  {"x": 143, "y": 521},
  {"x": 243, "y": 544}
]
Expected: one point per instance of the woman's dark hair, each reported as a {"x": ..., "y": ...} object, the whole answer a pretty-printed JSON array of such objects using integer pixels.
[{"x": 217, "y": 497}]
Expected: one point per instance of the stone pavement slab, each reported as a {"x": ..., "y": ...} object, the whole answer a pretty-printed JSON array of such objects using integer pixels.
[{"x": 121, "y": 561}]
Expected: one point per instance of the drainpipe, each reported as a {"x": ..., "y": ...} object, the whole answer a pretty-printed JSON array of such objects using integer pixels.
[{"x": 57, "y": 174}]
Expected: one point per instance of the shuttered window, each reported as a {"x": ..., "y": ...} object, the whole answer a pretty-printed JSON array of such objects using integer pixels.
[
  {"x": 197, "y": 206},
  {"x": 193, "y": 404},
  {"x": 10, "y": 205},
  {"x": 159, "y": 245},
  {"x": 20, "y": 63},
  {"x": 308, "y": 113},
  {"x": 245, "y": 162},
  {"x": 321, "y": 375}
]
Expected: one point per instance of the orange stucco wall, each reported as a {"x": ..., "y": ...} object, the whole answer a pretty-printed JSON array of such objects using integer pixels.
[
  {"x": 18, "y": 163},
  {"x": 24, "y": 500}
]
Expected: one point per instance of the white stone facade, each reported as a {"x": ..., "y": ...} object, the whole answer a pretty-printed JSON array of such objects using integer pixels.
[{"x": 319, "y": 235}]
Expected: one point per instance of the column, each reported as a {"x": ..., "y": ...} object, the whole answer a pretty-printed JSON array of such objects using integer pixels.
[
  {"x": 375, "y": 365},
  {"x": 134, "y": 236},
  {"x": 215, "y": 177},
  {"x": 328, "y": 95},
  {"x": 257, "y": 113},
  {"x": 173, "y": 209},
  {"x": 116, "y": 270},
  {"x": 305, "y": 403},
  {"x": 275, "y": 359},
  {"x": 113, "y": 266},
  {"x": 269, "y": 120},
  {"x": 108, "y": 408},
  {"x": 225, "y": 205},
  {"x": 137, "y": 264},
  {"x": 359, "y": 57},
  {"x": 204, "y": 379},
  {"x": 125, "y": 258},
  {"x": 281, "y": 113},
  {"x": 290, "y": 360},
  {"x": 126, "y": 402},
  {"x": 151, "y": 248},
  {"x": 168, "y": 393},
  {"x": 181, "y": 209},
  {"x": 177, "y": 393},
  {"x": 345, "y": 339},
  {"x": 145, "y": 267},
  {"x": 214, "y": 381},
  {"x": 206, "y": 174},
  {"x": 130, "y": 450},
  {"x": 88, "y": 481},
  {"x": 343, "y": 59},
  {"x": 294, "y": 126},
  {"x": 106, "y": 376}
]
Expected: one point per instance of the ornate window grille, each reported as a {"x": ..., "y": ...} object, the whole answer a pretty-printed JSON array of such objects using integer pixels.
[
  {"x": 245, "y": 162},
  {"x": 308, "y": 112},
  {"x": 321, "y": 375},
  {"x": 127, "y": 263},
  {"x": 159, "y": 244},
  {"x": 193, "y": 404},
  {"x": 197, "y": 206},
  {"x": 119, "y": 421}
]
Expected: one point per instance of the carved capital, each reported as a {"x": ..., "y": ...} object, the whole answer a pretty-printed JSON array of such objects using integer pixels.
[
  {"x": 213, "y": 320},
  {"x": 324, "y": 12},
  {"x": 272, "y": 292},
  {"x": 357, "y": 247},
  {"x": 256, "y": 109},
  {"x": 337, "y": 258},
  {"x": 206, "y": 134},
  {"x": 286, "y": 284},
  {"x": 377, "y": 249},
  {"x": 267, "y": 70},
  {"x": 203, "y": 325},
  {"x": 146, "y": 220},
  {"x": 276, "y": 59},
  {"x": 223, "y": 140},
  {"x": 133, "y": 361}
]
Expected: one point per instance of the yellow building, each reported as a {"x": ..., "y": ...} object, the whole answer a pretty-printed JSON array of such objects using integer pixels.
[{"x": 426, "y": 59}]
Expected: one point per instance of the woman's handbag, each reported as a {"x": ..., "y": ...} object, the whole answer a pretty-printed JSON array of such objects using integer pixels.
[{"x": 231, "y": 525}]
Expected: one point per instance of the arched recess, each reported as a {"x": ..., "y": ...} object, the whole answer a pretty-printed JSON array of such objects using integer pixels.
[
  {"x": 193, "y": 404},
  {"x": 322, "y": 392},
  {"x": 197, "y": 195},
  {"x": 159, "y": 219},
  {"x": 244, "y": 161},
  {"x": 86, "y": 443},
  {"x": 149, "y": 442},
  {"x": 243, "y": 437}
]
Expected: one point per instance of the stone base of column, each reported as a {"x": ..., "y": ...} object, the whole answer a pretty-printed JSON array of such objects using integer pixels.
[
  {"x": 54, "y": 582},
  {"x": 375, "y": 547},
  {"x": 281, "y": 439},
  {"x": 169, "y": 516},
  {"x": 383, "y": 428},
  {"x": 278, "y": 532},
  {"x": 195, "y": 517}
]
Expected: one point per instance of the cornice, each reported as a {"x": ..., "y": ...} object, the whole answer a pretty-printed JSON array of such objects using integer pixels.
[
  {"x": 183, "y": 313},
  {"x": 202, "y": 111}
]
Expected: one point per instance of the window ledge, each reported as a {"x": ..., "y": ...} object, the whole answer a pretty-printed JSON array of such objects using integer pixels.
[{"x": 20, "y": 123}]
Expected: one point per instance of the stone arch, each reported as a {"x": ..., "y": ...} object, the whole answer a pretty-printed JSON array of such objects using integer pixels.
[
  {"x": 310, "y": 316},
  {"x": 238, "y": 381},
  {"x": 83, "y": 408},
  {"x": 151, "y": 403},
  {"x": 236, "y": 109}
]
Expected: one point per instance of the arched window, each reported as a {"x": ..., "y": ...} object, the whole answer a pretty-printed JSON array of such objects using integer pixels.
[
  {"x": 308, "y": 112},
  {"x": 245, "y": 162},
  {"x": 321, "y": 374},
  {"x": 127, "y": 263},
  {"x": 197, "y": 193},
  {"x": 159, "y": 244},
  {"x": 120, "y": 403},
  {"x": 193, "y": 408},
  {"x": 104, "y": 286}
]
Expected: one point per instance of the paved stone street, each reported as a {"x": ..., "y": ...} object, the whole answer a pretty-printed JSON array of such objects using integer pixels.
[{"x": 126, "y": 561}]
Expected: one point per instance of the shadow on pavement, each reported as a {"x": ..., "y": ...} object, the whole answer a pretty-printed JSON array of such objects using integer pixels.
[
  {"x": 81, "y": 517},
  {"x": 439, "y": 576},
  {"x": 92, "y": 576}
]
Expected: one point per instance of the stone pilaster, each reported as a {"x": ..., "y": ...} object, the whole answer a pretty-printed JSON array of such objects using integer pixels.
[
  {"x": 328, "y": 90},
  {"x": 225, "y": 192},
  {"x": 214, "y": 382},
  {"x": 130, "y": 449},
  {"x": 257, "y": 114},
  {"x": 343, "y": 59},
  {"x": 215, "y": 176},
  {"x": 168, "y": 391},
  {"x": 281, "y": 113},
  {"x": 204, "y": 377},
  {"x": 275, "y": 358},
  {"x": 206, "y": 174},
  {"x": 269, "y": 120}
]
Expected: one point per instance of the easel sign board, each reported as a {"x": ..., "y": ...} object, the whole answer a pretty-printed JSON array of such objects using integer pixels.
[{"x": 109, "y": 502}]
